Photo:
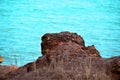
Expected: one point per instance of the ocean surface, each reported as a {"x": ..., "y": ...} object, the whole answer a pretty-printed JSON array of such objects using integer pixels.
[{"x": 23, "y": 22}]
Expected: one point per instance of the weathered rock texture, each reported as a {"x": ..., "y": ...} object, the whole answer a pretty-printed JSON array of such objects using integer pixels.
[
  {"x": 67, "y": 43},
  {"x": 65, "y": 57},
  {"x": 6, "y": 69}
]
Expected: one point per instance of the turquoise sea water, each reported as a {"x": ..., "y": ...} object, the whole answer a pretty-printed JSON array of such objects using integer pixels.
[{"x": 23, "y": 22}]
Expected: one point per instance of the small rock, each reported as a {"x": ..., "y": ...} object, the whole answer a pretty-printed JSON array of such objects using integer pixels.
[{"x": 1, "y": 59}]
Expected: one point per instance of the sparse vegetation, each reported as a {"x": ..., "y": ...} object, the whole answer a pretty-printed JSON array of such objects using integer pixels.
[{"x": 83, "y": 68}]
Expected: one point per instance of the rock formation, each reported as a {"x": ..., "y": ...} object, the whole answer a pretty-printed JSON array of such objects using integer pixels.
[
  {"x": 65, "y": 57},
  {"x": 67, "y": 43}
]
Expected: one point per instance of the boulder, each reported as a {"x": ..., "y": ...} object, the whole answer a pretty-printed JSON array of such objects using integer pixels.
[{"x": 66, "y": 43}]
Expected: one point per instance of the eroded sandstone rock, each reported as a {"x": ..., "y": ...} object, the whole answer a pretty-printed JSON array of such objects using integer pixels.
[
  {"x": 68, "y": 44},
  {"x": 65, "y": 57}
]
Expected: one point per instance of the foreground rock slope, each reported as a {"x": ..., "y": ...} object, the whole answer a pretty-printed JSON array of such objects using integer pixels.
[{"x": 65, "y": 57}]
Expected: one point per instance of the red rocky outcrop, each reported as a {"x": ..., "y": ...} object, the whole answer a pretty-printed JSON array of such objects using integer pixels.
[
  {"x": 65, "y": 57},
  {"x": 67, "y": 43}
]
